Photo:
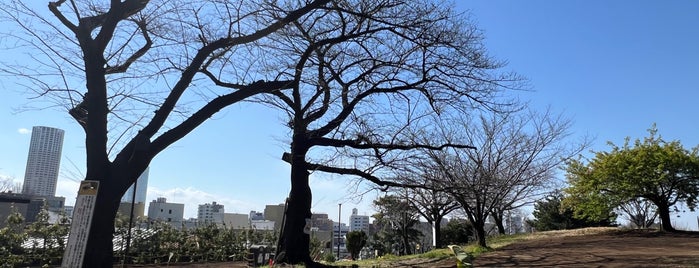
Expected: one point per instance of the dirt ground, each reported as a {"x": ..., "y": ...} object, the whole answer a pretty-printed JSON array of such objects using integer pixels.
[
  {"x": 610, "y": 249},
  {"x": 616, "y": 249}
]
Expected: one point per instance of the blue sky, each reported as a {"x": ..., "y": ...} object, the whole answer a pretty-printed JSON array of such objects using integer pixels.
[{"x": 615, "y": 67}]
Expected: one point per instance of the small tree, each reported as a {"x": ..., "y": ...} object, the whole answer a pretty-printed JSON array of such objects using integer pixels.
[
  {"x": 664, "y": 173},
  {"x": 549, "y": 214},
  {"x": 641, "y": 213},
  {"x": 11, "y": 238},
  {"x": 7, "y": 184},
  {"x": 396, "y": 220},
  {"x": 356, "y": 240},
  {"x": 457, "y": 231},
  {"x": 515, "y": 160}
]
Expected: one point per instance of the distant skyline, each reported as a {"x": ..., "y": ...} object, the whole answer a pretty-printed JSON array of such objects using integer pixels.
[{"x": 614, "y": 67}]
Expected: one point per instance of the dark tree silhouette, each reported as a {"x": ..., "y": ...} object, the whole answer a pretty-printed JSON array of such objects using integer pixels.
[
  {"x": 356, "y": 240},
  {"x": 125, "y": 68},
  {"x": 368, "y": 76}
]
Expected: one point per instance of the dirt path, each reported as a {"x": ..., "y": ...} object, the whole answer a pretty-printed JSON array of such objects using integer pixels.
[{"x": 618, "y": 249}]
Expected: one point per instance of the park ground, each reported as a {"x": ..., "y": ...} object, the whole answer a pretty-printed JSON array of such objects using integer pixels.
[{"x": 591, "y": 247}]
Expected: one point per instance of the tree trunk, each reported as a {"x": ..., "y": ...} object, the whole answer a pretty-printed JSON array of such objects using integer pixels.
[
  {"x": 479, "y": 232},
  {"x": 294, "y": 241},
  {"x": 665, "y": 221},
  {"x": 437, "y": 228},
  {"x": 498, "y": 218},
  {"x": 99, "y": 252}
]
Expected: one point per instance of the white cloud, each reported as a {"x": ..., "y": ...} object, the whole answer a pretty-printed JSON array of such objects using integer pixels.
[
  {"x": 24, "y": 131},
  {"x": 192, "y": 198}
]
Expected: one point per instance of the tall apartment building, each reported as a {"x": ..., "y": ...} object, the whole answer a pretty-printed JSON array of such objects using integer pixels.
[
  {"x": 210, "y": 213},
  {"x": 359, "y": 222},
  {"x": 43, "y": 161},
  {"x": 139, "y": 202},
  {"x": 161, "y": 210}
]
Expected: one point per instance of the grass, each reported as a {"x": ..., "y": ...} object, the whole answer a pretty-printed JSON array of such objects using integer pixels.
[{"x": 494, "y": 243}]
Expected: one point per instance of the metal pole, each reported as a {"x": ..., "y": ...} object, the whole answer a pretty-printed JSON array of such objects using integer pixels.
[
  {"x": 128, "y": 235},
  {"x": 339, "y": 230}
]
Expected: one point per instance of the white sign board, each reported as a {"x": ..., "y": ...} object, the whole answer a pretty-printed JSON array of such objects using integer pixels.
[{"x": 80, "y": 225}]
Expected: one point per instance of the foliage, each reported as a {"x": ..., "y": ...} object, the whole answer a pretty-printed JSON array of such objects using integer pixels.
[
  {"x": 11, "y": 238},
  {"x": 48, "y": 238},
  {"x": 457, "y": 232},
  {"x": 210, "y": 243},
  {"x": 329, "y": 257},
  {"x": 662, "y": 172},
  {"x": 549, "y": 214},
  {"x": 356, "y": 240},
  {"x": 396, "y": 220}
]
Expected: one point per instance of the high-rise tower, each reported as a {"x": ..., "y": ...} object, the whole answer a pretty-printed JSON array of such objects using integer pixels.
[
  {"x": 43, "y": 161},
  {"x": 139, "y": 203},
  {"x": 141, "y": 187}
]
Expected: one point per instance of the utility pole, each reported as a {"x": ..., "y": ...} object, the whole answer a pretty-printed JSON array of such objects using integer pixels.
[{"x": 339, "y": 230}]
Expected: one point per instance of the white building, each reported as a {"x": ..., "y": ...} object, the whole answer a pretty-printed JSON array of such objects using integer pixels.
[
  {"x": 236, "y": 221},
  {"x": 359, "y": 222},
  {"x": 256, "y": 216},
  {"x": 262, "y": 225},
  {"x": 43, "y": 161},
  {"x": 161, "y": 210},
  {"x": 340, "y": 234},
  {"x": 210, "y": 213}
]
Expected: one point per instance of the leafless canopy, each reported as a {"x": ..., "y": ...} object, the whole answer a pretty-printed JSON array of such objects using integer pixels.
[
  {"x": 153, "y": 53},
  {"x": 515, "y": 161},
  {"x": 369, "y": 76}
]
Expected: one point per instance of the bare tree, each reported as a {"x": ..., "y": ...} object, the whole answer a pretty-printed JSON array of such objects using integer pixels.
[
  {"x": 432, "y": 204},
  {"x": 366, "y": 76},
  {"x": 515, "y": 160},
  {"x": 129, "y": 72},
  {"x": 8, "y": 184},
  {"x": 641, "y": 213}
]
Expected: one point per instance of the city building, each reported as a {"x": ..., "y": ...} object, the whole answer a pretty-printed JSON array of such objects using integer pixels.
[
  {"x": 262, "y": 225},
  {"x": 236, "y": 221},
  {"x": 257, "y": 216},
  {"x": 359, "y": 222},
  {"x": 29, "y": 206},
  {"x": 275, "y": 213},
  {"x": 210, "y": 213},
  {"x": 339, "y": 237},
  {"x": 161, "y": 210},
  {"x": 139, "y": 200},
  {"x": 43, "y": 161},
  {"x": 321, "y": 221}
]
